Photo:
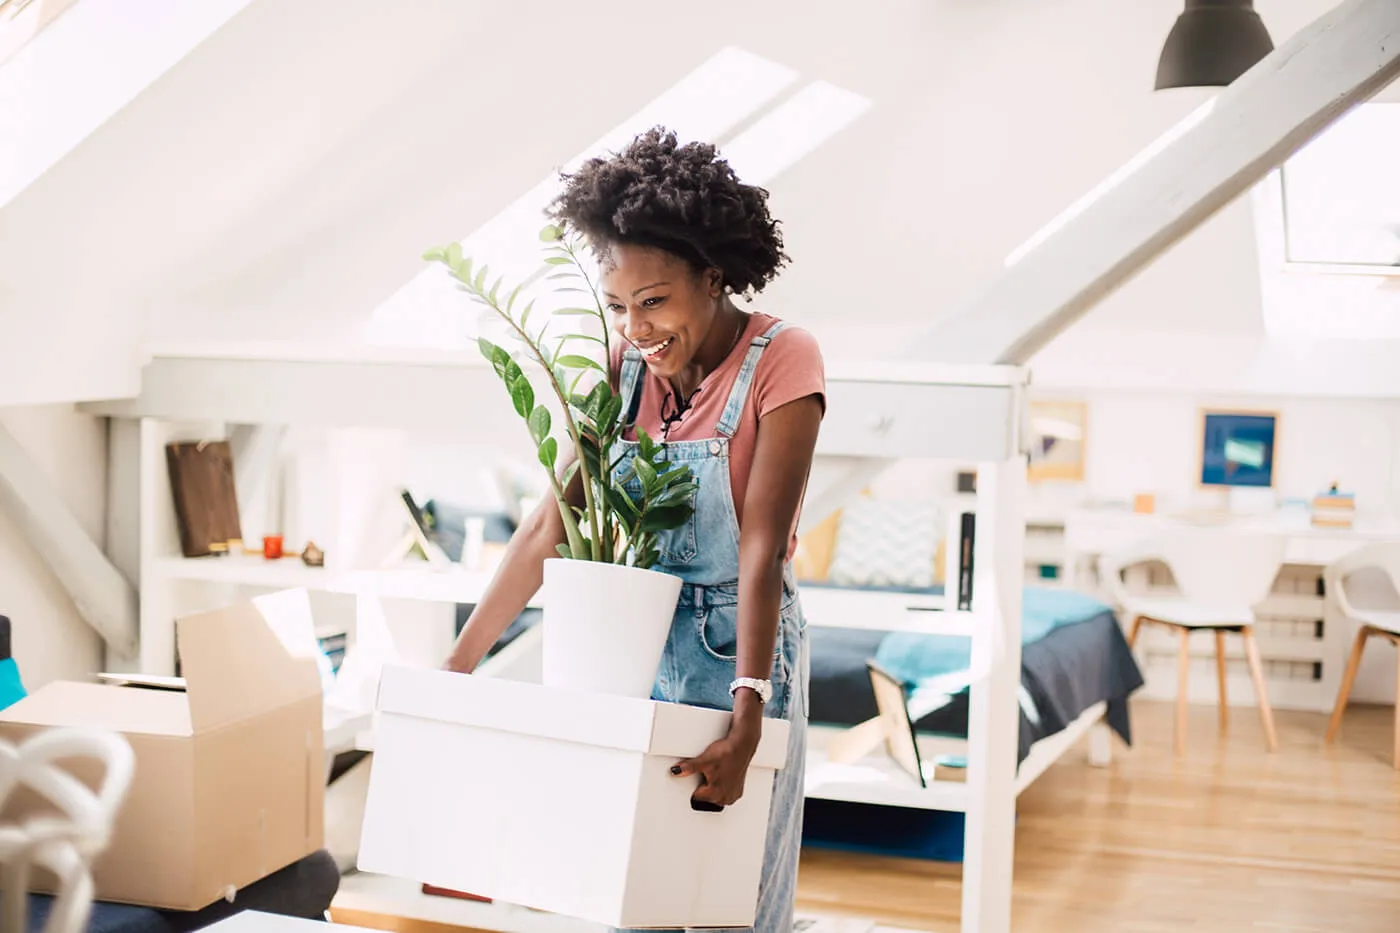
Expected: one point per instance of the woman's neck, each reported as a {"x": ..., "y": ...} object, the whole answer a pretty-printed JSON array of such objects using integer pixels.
[{"x": 723, "y": 336}]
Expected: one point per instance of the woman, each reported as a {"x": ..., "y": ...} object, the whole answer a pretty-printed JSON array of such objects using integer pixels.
[{"x": 737, "y": 396}]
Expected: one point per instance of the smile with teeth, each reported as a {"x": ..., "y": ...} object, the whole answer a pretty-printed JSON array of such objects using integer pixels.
[{"x": 657, "y": 348}]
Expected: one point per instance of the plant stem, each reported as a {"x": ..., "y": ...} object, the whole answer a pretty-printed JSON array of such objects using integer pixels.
[{"x": 588, "y": 495}]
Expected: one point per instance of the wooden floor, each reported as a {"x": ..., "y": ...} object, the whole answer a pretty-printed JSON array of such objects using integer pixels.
[{"x": 1225, "y": 840}]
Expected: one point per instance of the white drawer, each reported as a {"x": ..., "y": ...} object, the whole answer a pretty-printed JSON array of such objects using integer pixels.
[{"x": 957, "y": 422}]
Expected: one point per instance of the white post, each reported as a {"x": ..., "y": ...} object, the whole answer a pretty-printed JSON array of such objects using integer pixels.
[
  {"x": 103, "y": 597},
  {"x": 994, "y": 710}
]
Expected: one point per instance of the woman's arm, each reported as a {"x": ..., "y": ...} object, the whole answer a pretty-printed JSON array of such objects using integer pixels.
[
  {"x": 516, "y": 580},
  {"x": 787, "y": 438}
]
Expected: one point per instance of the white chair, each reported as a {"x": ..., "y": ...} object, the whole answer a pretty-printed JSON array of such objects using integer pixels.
[
  {"x": 1221, "y": 575},
  {"x": 1383, "y": 623},
  {"x": 69, "y": 832}
]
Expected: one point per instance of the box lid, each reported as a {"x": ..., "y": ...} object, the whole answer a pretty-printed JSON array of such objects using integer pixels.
[
  {"x": 666, "y": 729},
  {"x": 122, "y": 709},
  {"x": 236, "y": 667}
]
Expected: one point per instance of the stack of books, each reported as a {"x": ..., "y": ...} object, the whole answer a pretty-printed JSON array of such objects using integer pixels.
[{"x": 1333, "y": 509}]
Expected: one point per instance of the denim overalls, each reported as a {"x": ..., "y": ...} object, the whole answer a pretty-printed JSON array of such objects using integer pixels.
[{"x": 698, "y": 663}]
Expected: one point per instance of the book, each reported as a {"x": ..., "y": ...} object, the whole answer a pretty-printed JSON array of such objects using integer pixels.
[{"x": 966, "y": 541}]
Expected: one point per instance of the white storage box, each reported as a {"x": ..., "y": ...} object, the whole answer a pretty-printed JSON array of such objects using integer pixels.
[{"x": 561, "y": 801}]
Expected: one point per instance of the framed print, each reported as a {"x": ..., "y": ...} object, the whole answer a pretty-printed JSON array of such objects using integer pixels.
[
  {"x": 1238, "y": 448},
  {"x": 1057, "y": 440}
]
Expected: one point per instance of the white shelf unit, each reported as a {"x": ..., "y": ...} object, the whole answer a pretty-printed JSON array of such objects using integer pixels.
[{"x": 876, "y": 414}]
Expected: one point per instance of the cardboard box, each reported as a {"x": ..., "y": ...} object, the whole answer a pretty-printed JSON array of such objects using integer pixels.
[
  {"x": 561, "y": 801},
  {"x": 229, "y": 781}
]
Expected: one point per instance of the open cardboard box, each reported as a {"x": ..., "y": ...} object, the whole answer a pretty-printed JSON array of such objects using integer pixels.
[
  {"x": 561, "y": 801},
  {"x": 229, "y": 781}
]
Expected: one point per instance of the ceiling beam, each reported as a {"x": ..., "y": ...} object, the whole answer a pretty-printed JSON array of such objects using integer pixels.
[
  {"x": 105, "y": 599},
  {"x": 1272, "y": 111}
]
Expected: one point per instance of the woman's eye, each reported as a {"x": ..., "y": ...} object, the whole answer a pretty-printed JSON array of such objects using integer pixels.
[{"x": 653, "y": 302}]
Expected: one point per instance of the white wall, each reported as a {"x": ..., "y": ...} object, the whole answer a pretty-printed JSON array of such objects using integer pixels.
[{"x": 50, "y": 640}]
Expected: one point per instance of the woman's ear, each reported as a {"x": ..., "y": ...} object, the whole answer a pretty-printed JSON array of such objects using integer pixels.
[{"x": 714, "y": 281}]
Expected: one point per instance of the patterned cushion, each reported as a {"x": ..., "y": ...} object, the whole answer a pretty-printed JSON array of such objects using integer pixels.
[
  {"x": 812, "y": 562},
  {"x": 887, "y": 543}
]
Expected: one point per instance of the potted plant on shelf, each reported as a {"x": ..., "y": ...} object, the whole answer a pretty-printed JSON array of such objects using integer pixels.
[{"x": 607, "y": 611}]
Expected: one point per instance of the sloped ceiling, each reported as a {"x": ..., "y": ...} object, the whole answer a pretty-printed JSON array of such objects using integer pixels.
[{"x": 282, "y": 182}]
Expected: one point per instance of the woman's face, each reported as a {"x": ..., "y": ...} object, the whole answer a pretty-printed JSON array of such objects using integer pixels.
[{"x": 660, "y": 305}]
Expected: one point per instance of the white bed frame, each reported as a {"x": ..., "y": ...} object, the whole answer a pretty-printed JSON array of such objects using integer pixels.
[{"x": 966, "y": 414}]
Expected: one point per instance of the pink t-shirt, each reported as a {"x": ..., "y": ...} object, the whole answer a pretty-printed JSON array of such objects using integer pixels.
[{"x": 790, "y": 368}]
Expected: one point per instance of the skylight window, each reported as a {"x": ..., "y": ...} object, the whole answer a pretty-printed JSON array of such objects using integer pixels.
[
  {"x": 1341, "y": 195},
  {"x": 707, "y": 104}
]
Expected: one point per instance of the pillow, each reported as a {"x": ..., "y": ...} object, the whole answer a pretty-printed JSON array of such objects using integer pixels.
[
  {"x": 887, "y": 543},
  {"x": 812, "y": 561}
]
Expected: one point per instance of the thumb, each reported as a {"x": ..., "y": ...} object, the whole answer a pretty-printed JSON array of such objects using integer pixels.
[{"x": 687, "y": 766}]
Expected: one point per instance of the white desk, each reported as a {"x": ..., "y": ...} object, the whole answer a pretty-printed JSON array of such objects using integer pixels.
[{"x": 1092, "y": 532}]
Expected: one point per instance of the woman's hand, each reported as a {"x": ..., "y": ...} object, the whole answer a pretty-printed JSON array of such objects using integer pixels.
[{"x": 724, "y": 765}]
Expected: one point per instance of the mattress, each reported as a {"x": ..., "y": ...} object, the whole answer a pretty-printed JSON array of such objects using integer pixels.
[{"x": 1068, "y": 669}]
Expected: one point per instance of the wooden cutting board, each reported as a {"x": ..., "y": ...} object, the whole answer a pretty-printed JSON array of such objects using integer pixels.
[{"x": 206, "y": 501}]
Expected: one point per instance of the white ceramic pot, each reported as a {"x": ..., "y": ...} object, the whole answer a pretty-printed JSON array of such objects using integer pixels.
[{"x": 604, "y": 626}]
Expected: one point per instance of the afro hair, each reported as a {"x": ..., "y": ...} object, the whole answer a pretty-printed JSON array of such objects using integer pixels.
[{"x": 683, "y": 199}]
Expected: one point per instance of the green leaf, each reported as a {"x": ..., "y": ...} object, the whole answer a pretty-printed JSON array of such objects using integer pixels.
[
  {"x": 453, "y": 254},
  {"x": 549, "y": 452},
  {"x": 589, "y": 337},
  {"x": 576, "y": 312},
  {"x": 525, "y": 315},
  {"x": 564, "y": 551},
  {"x": 539, "y": 424},
  {"x": 435, "y": 254},
  {"x": 557, "y": 260},
  {"x": 496, "y": 288},
  {"x": 552, "y": 233},
  {"x": 646, "y": 472},
  {"x": 522, "y": 394},
  {"x": 480, "y": 282},
  {"x": 578, "y": 361},
  {"x": 510, "y": 302}
]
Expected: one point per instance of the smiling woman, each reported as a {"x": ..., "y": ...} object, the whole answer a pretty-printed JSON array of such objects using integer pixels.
[{"x": 738, "y": 398}]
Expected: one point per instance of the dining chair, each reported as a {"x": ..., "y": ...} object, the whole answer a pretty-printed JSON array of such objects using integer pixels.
[
  {"x": 1382, "y": 558},
  {"x": 66, "y": 828},
  {"x": 1221, "y": 575}
]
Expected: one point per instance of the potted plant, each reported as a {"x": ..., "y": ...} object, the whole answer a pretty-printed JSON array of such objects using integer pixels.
[{"x": 607, "y": 611}]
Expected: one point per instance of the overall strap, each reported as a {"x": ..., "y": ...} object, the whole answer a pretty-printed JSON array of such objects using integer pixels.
[
  {"x": 629, "y": 382},
  {"x": 734, "y": 408}
]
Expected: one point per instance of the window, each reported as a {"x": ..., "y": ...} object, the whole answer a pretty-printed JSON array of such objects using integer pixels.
[{"x": 1341, "y": 195}]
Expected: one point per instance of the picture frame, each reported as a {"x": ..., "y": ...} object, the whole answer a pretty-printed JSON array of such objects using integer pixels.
[
  {"x": 1059, "y": 433},
  {"x": 901, "y": 743},
  {"x": 1238, "y": 449}
]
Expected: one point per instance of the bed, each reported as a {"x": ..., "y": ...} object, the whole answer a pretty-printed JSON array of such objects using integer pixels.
[{"x": 1074, "y": 657}]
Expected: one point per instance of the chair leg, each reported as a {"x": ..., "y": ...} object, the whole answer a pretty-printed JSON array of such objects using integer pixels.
[
  {"x": 1395, "y": 753},
  {"x": 1183, "y": 687},
  {"x": 1261, "y": 693},
  {"x": 1220, "y": 676},
  {"x": 1133, "y": 631},
  {"x": 1348, "y": 679}
]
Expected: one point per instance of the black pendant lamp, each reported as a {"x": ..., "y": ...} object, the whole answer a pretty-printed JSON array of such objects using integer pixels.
[{"x": 1212, "y": 44}]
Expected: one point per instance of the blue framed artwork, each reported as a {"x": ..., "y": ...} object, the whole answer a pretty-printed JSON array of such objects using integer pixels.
[{"x": 1237, "y": 448}]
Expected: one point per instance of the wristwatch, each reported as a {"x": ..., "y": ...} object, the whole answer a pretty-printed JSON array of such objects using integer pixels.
[{"x": 764, "y": 688}]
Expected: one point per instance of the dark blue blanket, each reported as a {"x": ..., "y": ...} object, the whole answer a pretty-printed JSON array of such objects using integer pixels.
[{"x": 1065, "y": 671}]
